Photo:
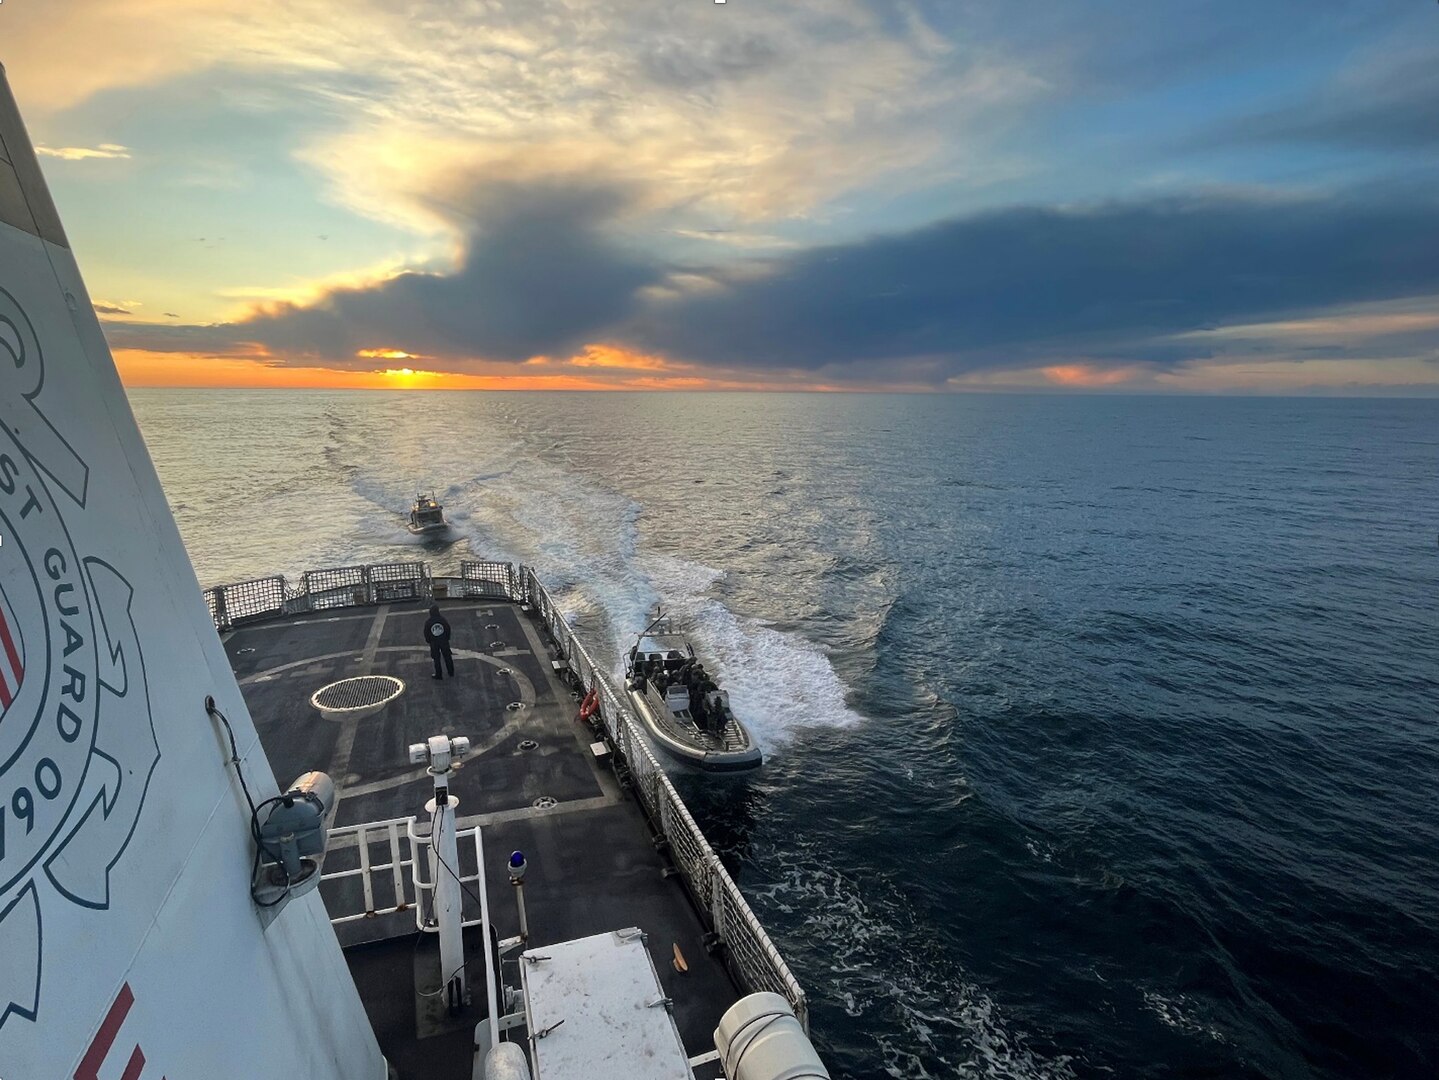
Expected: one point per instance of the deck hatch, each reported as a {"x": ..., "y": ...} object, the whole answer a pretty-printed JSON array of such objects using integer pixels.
[{"x": 362, "y": 694}]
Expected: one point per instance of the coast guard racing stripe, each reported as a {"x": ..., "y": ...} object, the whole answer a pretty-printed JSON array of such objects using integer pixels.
[{"x": 12, "y": 667}]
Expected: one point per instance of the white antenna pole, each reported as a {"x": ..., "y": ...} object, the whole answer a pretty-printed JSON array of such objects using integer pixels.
[{"x": 443, "y": 753}]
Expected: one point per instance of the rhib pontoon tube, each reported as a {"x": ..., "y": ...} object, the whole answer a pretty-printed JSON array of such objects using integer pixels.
[
  {"x": 505, "y": 1061},
  {"x": 760, "y": 1038}
]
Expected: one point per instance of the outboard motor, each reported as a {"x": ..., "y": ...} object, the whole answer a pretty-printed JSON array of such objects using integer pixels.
[{"x": 760, "y": 1038}]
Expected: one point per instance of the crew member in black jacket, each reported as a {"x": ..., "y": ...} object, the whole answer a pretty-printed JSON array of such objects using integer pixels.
[{"x": 437, "y": 633}]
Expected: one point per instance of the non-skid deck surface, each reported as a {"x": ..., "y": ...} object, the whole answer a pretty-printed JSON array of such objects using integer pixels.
[{"x": 592, "y": 865}]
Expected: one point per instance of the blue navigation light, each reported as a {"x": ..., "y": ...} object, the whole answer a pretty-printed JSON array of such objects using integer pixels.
[{"x": 517, "y": 859}]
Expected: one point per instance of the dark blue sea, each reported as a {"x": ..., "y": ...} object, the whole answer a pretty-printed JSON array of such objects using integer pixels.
[{"x": 1101, "y": 732}]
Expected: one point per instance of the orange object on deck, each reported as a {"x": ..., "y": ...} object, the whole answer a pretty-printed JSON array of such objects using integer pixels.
[{"x": 590, "y": 705}]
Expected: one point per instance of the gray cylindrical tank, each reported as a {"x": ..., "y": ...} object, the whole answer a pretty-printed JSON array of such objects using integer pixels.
[
  {"x": 759, "y": 1038},
  {"x": 295, "y": 826}
]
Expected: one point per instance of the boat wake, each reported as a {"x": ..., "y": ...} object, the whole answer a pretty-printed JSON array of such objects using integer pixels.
[
  {"x": 512, "y": 494},
  {"x": 779, "y": 683},
  {"x": 586, "y": 541},
  {"x": 867, "y": 953}
]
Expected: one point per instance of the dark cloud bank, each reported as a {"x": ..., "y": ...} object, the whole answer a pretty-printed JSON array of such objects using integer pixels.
[
  {"x": 1006, "y": 289},
  {"x": 1392, "y": 107}
]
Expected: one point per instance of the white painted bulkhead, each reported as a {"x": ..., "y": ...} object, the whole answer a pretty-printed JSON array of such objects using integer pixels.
[{"x": 127, "y": 931}]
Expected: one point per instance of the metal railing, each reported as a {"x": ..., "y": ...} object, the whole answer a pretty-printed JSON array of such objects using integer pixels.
[
  {"x": 323, "y": 590},
  {"x": 423, "y": 873},
  {"x": 384, "y": 851},
  {"x": 752, "y": 956},
  {"x": 488, "y": 579},
  {"x": 399, "y": 581},
  {"x": 382, "y": 882},
  {"x": 243, "y": 600},
  {"x": 336, "y": 587}
]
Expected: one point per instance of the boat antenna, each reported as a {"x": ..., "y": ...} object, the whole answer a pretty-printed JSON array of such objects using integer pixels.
[{"x": 658, "y": 616}]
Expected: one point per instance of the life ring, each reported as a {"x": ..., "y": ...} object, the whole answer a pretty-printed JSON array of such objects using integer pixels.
[{"x": 590, "y": 705}]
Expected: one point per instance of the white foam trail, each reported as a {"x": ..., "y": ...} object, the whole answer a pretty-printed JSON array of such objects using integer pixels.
[
  {"x": 778, "y": 682},
  {"x": 936, "y": 1023},
  {"x": 584, "y": 539},
  {"x": 1176, "y": 1012}
]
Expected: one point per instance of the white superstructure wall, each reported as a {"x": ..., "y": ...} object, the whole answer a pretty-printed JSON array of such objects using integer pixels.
[{"x": 129, "y": 945}]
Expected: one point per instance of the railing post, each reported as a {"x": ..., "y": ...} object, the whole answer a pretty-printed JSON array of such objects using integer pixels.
[
  {"x": 362, "y": 835},
  {"x": 717, "y": 898},
  {"x": 665, "y": 820},
  {"x": 396, "y": 875}
]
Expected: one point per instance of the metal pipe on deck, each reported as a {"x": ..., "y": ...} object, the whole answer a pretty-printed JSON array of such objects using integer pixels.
[
  {"x": 517, "y": 867},
  {"x": 449, "y": 907},
  {"x": 443, "y": 753},
  {"x": 492, "y": 974}
]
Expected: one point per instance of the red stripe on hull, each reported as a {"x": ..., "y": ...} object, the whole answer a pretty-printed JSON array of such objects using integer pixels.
[
  {"x": 11, "y": 653},
  {"x": 105, "y": 1038},
  {"x": 137, "y": 1063}
]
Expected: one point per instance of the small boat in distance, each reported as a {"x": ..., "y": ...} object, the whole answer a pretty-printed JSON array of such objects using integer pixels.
[
  {"x": 427, "y": 515},
  {"x": 686, "y": 714}
]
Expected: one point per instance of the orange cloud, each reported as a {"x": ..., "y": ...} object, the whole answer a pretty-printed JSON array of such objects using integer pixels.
[
  {"x": 617, "y": 356},
  {"x": 387, "y": 354},
  {"x": 1089, "y": 374},
  {"x": 109, "y": 45}
]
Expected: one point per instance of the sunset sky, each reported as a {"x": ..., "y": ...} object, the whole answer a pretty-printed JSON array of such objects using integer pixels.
[{"x": 808, "y": 194}]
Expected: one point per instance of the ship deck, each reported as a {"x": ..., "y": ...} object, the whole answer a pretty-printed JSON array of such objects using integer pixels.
[{"x": 531, "y": 782}]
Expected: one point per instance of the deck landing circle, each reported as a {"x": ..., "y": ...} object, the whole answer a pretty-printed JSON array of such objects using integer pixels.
[{"x": 351, "y": 699}]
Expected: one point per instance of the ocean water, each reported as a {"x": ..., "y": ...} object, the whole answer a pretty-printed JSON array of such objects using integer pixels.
[{"x": 1101, "y": 732}]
